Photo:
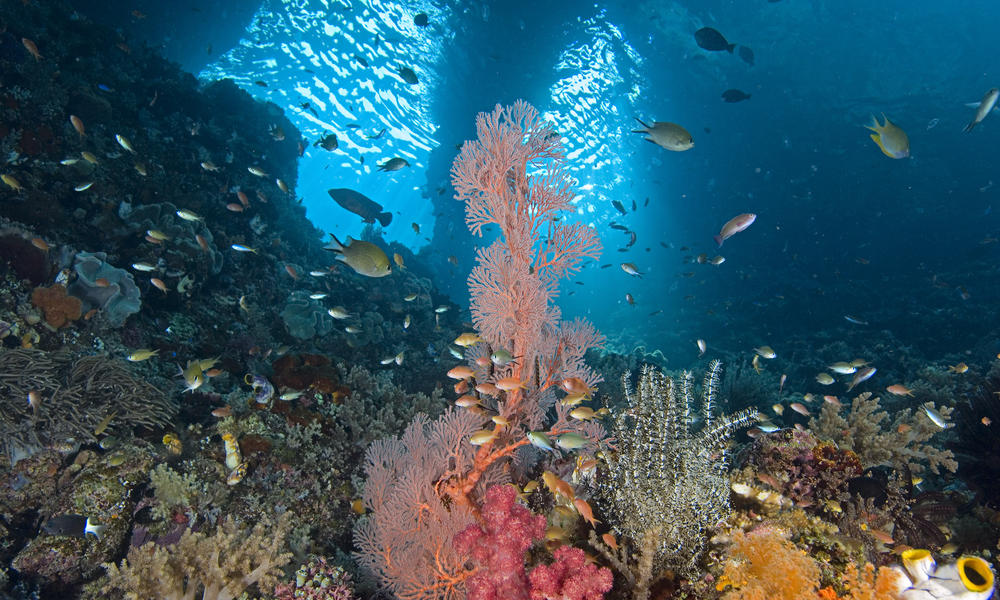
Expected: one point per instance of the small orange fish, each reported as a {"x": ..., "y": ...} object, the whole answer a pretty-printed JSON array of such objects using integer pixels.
[
  {"x": 32, "y": 48},
  {"x": 833, "y": 400},
  {"x": 78, "y": 125},
  {"x": 89, "y": 314},
  {"x": 158, "y": 284},
  {"x": 575, "y": 385},
  {"x": 202, "y": 242},
  {"x": 102, "y": 282},
  {"x": 881, "y": 536},
  {"x": 213, "y": 372},
  {"x": 800, "y": 408},
  {"x": 222, "y": 412},
  {"x": 466, "y": 401},
  {"x": 986, "y": 421},
  {"x": 899, "y": 390},
  {"x": 40, "y": 244},
  {"x": 609, "y": 539},
  {"x": 585, "y": 511},
  {"x": 462, "y": 386},
  {"x": 243, "y": 199},
  {"x": 234, "y": 207},
  {"x": 487, "y": 388},
  {"x": 510, "y": 383},
  {"x": 903, "y": 428},
  {"x": 291, "y": 271},
  {"x": 461, "y": 372}
]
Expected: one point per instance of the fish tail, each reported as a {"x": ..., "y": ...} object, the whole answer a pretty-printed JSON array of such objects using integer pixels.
[
  {"x": 718, "y": 240},
  {"x": 972, "y": 124},
  {"x": 385, "y": 218},
  {"x": 335, "y": 244}
]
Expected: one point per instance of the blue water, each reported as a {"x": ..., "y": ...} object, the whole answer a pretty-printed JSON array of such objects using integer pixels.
[{"x": 904, "y": 245}]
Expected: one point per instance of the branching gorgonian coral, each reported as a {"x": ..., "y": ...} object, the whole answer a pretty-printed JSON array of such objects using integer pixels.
[{"x": 666, "y": 483}]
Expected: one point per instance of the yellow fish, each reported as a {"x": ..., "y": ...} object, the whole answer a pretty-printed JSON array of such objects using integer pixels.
[
  {"x": 364, "y": 257},
  {"x": 467, "y": 339},
  {"x": 11, "y": 182},
  {"x": 396, "y": 258},
  {"x": 890, "y": 139},
  {"x": 141, "y": 355}
]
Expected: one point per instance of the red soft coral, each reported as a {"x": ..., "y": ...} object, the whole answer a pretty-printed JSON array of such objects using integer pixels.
[
  {"x": 570, "y": 577},
  {"x": 499, "y": 549}
]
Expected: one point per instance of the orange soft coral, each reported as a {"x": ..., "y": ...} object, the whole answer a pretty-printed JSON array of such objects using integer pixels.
[
  {"x": 764, "y": 565},
  {"x": 59, "y": 307},
  {"x": 867, "y": 584}
]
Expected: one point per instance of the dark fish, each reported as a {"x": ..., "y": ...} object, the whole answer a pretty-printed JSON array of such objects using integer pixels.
[
  {"x": 377, "y": 135},
  {"x": 646, "y": 203},
  {"x": 307, "y": 106},
  {"x": 578, "y": 282},
  {"x": 261, "y": 83},
  {"x": 614, "y": 225},
  {"x": 327, "y": 142},
  {"x": 747, "y": 55},
  {"x": 631, "y": 241},
  {"x": 712, "y": 40},
  {"x": 664, "y": 244},
  {"x": 72, "y": 525},
  {"x": 408, "y": 75},
  {"x": 361, "y": 205},
  {"x": 633, "y": 205},
  {"x": 421, "y": 19},
  {"x": 735, "y": 95},
  {"x": 360, "y": 60},
  {"x": 619, "y": 207},
  {"x": 605, "y": 266},
  {"x": 655, "y": 312}
]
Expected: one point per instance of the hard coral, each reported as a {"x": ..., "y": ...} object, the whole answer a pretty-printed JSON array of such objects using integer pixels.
[
  {"x": 59, "y": 307},
  {"x": 224, "y": 565}
]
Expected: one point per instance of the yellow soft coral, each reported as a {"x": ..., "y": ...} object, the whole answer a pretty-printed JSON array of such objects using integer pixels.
[{"x": 764, "y": 565}]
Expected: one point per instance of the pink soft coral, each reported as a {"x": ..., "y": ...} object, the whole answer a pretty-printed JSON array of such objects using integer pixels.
[
  {"x": 570, "y": 577},
  {"x": 499, "y": 549}
]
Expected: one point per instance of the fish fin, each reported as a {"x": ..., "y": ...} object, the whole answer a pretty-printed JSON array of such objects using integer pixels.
[
  {"x": 718, "y": 240},
  {"x": 972, "y": 124},
  {"x": 646, "y": 127},
  {"x": 878, "y": 140},
  {"x": 334, "y": 244},
  {"x": 874, "y": 126}
]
